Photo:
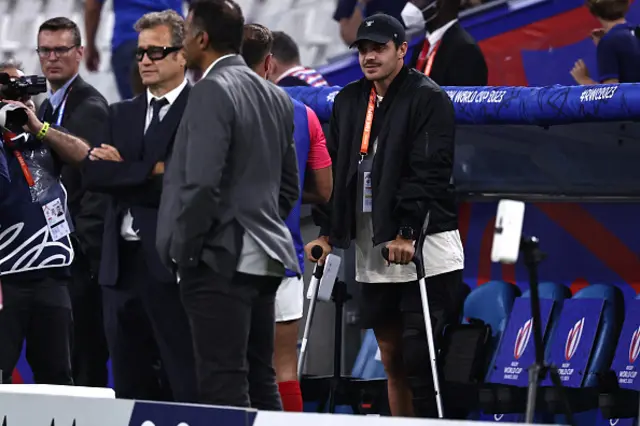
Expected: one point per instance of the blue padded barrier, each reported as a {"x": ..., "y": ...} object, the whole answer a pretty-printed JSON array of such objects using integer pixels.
[{"x": 543, "y": 106}]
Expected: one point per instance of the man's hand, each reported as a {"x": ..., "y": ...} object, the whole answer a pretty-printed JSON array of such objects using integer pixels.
[
  {"x": 92, "y": 57},
  {"x": 580, "y": 73},
  {"x": 158, "y": 169},
  {"x": 34, "y": 125},
  {"x": 105, "y": 152},
  {"x": 326, "y": 249},
  {"x": 401, "y": 251}
]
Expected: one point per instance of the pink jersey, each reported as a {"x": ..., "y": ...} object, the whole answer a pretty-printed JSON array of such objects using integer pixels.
[{"x": 318, "y": 155}]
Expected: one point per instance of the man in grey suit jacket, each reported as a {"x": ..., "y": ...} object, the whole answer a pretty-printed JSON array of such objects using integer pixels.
[{"x": 232, "y": 179}]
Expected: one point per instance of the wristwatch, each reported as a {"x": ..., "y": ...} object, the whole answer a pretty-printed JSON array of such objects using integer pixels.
[{"x": 407, "y": 233}]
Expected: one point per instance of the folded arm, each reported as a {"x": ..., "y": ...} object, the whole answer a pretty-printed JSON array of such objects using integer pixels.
[
  {"x": 112, "y": 174},
  {"x": 430, "y": 159}
]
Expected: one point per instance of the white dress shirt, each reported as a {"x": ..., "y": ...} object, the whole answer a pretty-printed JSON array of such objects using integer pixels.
[{"x": 126, "y": 229}]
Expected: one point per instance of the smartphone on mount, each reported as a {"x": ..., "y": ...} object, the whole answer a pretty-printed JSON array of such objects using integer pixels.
[{"x": 507, "y": 232}]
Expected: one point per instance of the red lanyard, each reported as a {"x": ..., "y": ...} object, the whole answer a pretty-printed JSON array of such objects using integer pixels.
[
  {"x": 425, "y": 62},
  {"x": 8, "y": 140},
  {"x": 368, "y": 122}
]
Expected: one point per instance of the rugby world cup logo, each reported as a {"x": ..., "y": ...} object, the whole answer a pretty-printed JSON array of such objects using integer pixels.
[
  {"x": 522, "y": 340},
  {"x": 634, "y": 346},
  {"x": 573, "y": 339}
]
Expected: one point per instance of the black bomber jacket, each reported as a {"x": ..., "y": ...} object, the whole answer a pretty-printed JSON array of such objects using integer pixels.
[{"x": 412, "y": 168}]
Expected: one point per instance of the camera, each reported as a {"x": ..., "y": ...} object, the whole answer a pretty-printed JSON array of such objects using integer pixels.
[
  {"x": 18, "y": 89},
  {"x": 21, "y": 88}
]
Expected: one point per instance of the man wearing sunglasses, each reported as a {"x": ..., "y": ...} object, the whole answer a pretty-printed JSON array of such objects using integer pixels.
[
  {"x": 124, "y": 37},
  {"x": 78, "y": 107},
  {"x": 144, "y": 319}
]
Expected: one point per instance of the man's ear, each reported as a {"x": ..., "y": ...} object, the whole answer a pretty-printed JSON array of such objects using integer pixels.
[
  {"x": 274, "y": 69},
  {"x": 402, "y": 50},
  {"x": 268, "y": 65},
  {"x": 203, "y": 41}
]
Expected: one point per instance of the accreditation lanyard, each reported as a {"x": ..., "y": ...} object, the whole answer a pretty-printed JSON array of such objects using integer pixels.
[
  {"x": 368, "y": 122},
  {"x": 8, "y": 138},
  {"x": 63, "y": 106},
  {"x": 425, "y": 61}
]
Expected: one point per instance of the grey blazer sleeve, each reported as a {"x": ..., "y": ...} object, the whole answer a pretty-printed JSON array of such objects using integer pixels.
[
  {"x": 209, "y": 131},
  {"x": 289, "y": 184}
]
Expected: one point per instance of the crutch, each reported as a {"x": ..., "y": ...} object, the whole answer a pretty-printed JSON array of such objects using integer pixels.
[
  {"x": 316, "y": 252},
  {"x": 419, "y": 262}
]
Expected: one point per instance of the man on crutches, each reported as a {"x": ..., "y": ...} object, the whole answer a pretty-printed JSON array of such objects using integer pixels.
[{"x": 391, "y": 140}]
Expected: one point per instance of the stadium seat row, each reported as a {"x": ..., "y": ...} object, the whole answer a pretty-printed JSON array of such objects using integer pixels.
[{"x": 592, "y": 340}]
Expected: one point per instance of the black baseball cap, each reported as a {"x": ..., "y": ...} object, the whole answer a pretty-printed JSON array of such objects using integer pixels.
[{"x": 380, "y": 28}]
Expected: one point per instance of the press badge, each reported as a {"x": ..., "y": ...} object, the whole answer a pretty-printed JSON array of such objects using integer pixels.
[
  {"x": 56, "y": 219},
  {"x": 365, "y": 187}
]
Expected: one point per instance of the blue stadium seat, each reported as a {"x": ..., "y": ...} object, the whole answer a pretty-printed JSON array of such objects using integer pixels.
[
  {"x": 509, "y": 399},
  {"x": 612, "y": 319},
  {"x": 584, "y": 397},
  {"x": 366, "y": 365},
  {"x": 620, "y": 394},
  {"x": 491, "y": 303},
  {"x": 558, "y": 293}
]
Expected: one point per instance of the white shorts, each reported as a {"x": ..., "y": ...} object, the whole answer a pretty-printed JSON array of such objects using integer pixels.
[{"x": 290, "y": 299}]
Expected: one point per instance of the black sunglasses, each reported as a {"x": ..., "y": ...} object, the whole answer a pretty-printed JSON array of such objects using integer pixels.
[{"x": 155, "y": 53}]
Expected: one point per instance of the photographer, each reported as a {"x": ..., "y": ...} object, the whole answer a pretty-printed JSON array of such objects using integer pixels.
[
  {"x": 83, "y": 111},
  {"x": 37, "y": 252}
]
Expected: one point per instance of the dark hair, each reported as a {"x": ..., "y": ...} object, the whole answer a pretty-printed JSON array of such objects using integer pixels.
[
  {"x": 256, "y": 44},
  {"x": 608, "y": 10},
  {"x": 285, "y": 48},
  {"x": 168, "y": 18},
  {"x": 62, "y": 24},
  {"x": 449, "y": 9},
  {"x": 222, "y": 20}
]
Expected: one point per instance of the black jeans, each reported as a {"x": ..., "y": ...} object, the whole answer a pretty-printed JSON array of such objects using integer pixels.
[
  {"x": 38, "y": 310},
  {"x": 233, "y": 326},
  {"x": 90, "y": 353},
  {"x": 148, "y": 333}
]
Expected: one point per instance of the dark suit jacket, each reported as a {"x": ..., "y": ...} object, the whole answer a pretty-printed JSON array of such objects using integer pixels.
[
  {"x": 130, "y": 184},
  {"x": 85, "y": 115},
  {"x": 458, "y": 61},
  {"x": 234, "y": 168}
]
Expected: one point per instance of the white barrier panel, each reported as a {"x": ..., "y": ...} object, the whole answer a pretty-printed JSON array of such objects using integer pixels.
[
  {"x": 80, "y": 391},
  {"x": 311, "y": 419},
  {"x": 26, "y": 409}
]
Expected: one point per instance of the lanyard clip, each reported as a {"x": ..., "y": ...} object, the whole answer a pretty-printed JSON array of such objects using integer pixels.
[{"x": 361, "y": 159}]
